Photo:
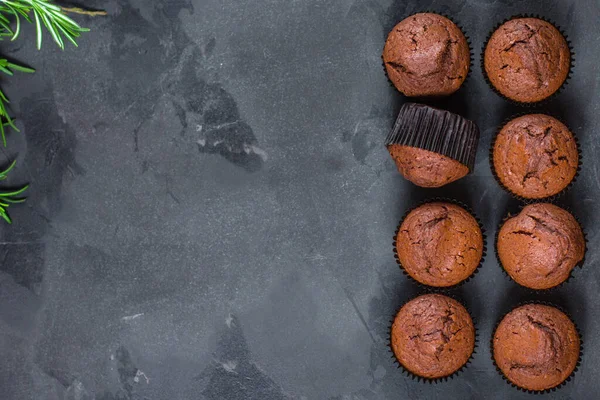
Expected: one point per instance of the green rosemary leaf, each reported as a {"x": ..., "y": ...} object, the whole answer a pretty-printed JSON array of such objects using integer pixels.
[
  {"x": 11, "y": 122},
  {"x": 18, "y": 28},
  {"x": 49, "y": 5},
  {"x": 69, "y": 35},
  {"x": 6, "y": 70},
  {"x": 39, "y": 31},
  {"x": 6, "y": 27},
  {"x": 8, "y": 169},
  {"x": 50, "y": 26},
  {"x": 15, "y": 201},
  {"x": 5, "y": 216},
  {"x": 21, "y": 68},
  {"x": 7, "y": 195},
  {"x": 3, "y": 17},
  {"x": 24, "y": 13},
  {"x": 2, "y": 131}
]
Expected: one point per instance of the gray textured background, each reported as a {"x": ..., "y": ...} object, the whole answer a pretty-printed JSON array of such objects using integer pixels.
[{"x": 212, "y": 210}]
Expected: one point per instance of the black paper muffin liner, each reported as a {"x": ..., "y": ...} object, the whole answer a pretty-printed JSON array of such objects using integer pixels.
[
  {"x": 578, "y": 265},
  {"x": 419, "y": 378},
  {"x": 471, "y": 59},
  {"x": 441, "y": 289},
  {"x": 435, "y": 130},
  {"x": 553, "y": 95},
  {"x": 525, "y": 200},
  {"x": 560, "y": 385}
]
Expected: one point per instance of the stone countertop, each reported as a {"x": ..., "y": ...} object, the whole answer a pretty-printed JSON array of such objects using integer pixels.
[{"x": 211, "y": 208}]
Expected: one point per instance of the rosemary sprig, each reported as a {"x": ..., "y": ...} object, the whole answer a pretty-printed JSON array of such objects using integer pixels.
[
  {"x": 5, "y": 119},
  {"x": 9, "y": 197},
  {"x": 61, "y": 27},
  {"x": 44, "y": 13}
]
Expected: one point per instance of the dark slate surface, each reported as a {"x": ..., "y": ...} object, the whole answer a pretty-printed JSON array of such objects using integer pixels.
[{"x": 212, "y": 209}]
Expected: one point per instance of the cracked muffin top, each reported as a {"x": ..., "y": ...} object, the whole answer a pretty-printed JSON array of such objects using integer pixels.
[
  {"x": 427, "y": 55},
  {"x": 432, "y": 336},
  {"x": 527, "y": 59},
  {"x": 535, "y": 156},
  {"x": 439, "y": 244},
  {"x": 540, "y": 247},
  {"x": 536, "y": 347}
]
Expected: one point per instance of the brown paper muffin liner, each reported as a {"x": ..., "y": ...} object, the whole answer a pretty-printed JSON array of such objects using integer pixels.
[
  {"x": 578, "y": 265},
  {"x": 552, "y": 96},
  {"x": 436, "y": 130},
  {"x": 560, "y": 385},
  {"x": 549, "y": 199},
  {"x": 471, "y": 62},
  {"x": 441, "y": 289},
  {"x": 419, "y": 378}
]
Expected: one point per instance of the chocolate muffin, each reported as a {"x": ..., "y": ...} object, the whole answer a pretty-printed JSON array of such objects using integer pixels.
[
  {"x": 527, "y": 59},
  {"x": 426, "y": 168},
  {"x": 427, "y": 55},
  {"x": 536, "y": 347},
  {"x": 535, "y": 156},
  {"x": 432, "y": 336},
  {"x": 439, "y": 244},
  {"x": 540, "y": 247},
  {"x": 432, "y": 147}
]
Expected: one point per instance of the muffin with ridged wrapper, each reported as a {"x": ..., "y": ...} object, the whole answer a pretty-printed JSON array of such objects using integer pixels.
[
  {"x": 427, "y": 55},
  {"x": 432, "y": 336},
  {"x": 536, "y": 347},
  {"x": 439, "y": 244},
  {"x": 527, "y": 60},
  {"x": 432, "y": 147},
  {"x": 540, "y": 246},
  {"x": 535, "y": 156}
]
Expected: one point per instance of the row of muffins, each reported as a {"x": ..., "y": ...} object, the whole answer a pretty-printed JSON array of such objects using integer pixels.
[
  {"x": 533, "y": 156},
  {"x": 441, "y": 244},
  {"x": 526, "y": 60},
  {"x": 536, "y": 347}
]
